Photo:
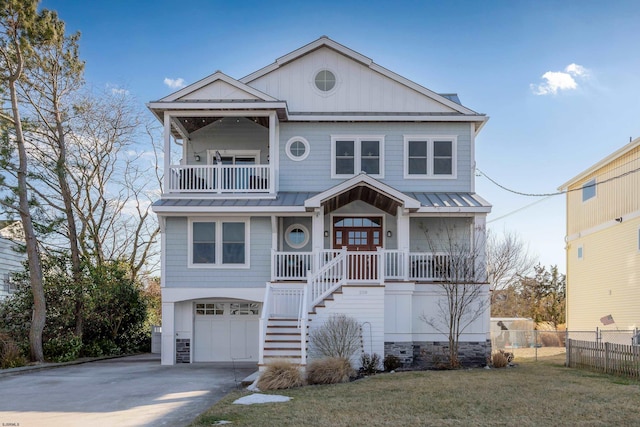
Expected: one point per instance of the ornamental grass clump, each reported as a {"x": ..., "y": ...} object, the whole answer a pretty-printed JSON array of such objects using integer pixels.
[
  {"x": 330, "y": 370},
  {"x": 10, "y": 355},
  {"x": 280, "y": 374},
  {"x": 499, "y": 360}
]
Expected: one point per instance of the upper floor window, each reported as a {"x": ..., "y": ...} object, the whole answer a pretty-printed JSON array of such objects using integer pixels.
[
  {"x": 589, "y": 190},
  {"x": 430, "y": 157},
  {"x": 325, "y": 80},
  {"x": 218, "y": 243},
  {"x": 297, "y": 148},
  {"x": 352, "y": 155}
]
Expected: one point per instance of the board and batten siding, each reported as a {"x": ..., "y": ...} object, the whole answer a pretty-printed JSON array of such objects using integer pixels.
[
  {"x": 178, "y": 273},
  {"x": 314, "y": 173},
  {"x": 366, "y": 305},
  {"x": 614, "y": 199},
  {"x": 358, "y": 88},
  {"x": 607, "y": 278}
]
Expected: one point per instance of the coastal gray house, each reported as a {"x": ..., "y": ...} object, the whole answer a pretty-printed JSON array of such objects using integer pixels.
[{"x": 316, "y": 185}]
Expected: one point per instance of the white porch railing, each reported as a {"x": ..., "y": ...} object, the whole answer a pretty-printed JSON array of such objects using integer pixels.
[
  {"x": 328, "y": 278},
  {"x": 363, "y": 267},
  {"x": 219, "y": 179}
]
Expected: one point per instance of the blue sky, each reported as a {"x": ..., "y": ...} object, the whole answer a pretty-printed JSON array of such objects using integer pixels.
[{"x": 559, "y": 79}]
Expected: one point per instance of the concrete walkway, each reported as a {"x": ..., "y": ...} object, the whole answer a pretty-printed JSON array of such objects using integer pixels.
[{"x": 127, "y": 391}]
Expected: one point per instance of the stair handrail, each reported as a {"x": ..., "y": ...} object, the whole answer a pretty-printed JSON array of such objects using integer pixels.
[
  {"x": 314, "y": 280},
  {"x": 264, "y": 318},
  {"x": 303, "y": 319}
]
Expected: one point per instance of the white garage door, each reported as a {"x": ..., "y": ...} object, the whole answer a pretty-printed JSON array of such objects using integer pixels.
[{"x": 226, "y": 331}]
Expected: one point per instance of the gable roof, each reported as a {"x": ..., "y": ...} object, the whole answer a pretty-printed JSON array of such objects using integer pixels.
[
  {"x": 362, "y": 179},
  {"x": 611, "y": 157},
  {"x": 242, "y": 90},
  {"x": 325, "y": 41}
]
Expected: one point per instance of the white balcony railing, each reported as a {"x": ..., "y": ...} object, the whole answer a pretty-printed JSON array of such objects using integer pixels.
[
  {"x": 364, "y": 267},
  {"x": 220, "y": 179}
]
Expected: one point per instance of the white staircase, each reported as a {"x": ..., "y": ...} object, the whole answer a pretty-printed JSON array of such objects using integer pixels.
[{"x": 283, "y": 340}]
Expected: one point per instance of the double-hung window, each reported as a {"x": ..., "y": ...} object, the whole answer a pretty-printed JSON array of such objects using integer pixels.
[
  {"x": 352, "y": 155},
  {"x": 429, "y": 156},
  {"x": 218, "y": 243}
]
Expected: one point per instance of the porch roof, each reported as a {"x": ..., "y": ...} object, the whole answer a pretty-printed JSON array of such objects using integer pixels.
[{"x": 290, "y": 201}]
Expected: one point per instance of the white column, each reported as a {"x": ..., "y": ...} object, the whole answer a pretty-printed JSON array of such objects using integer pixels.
[
  {"x": 167, "y": 150},
  {"x": 479, "y": 242},
  {"x": 403, "y": 231},
  {"x": 168, "y": 354},
  {"x": 273, "y": 152},
  {"x": 317, "y": 225}
]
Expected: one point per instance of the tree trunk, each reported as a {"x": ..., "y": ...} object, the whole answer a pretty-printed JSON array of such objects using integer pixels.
[{"x": 38, "y": 317}]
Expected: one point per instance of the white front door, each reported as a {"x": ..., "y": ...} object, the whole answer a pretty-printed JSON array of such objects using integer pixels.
[{"x": 226, "y": 331}]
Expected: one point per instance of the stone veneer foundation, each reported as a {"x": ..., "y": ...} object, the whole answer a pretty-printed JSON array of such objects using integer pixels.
[
  {"x": 183, "y": 350},
  {"x": 431, "y": 354}
]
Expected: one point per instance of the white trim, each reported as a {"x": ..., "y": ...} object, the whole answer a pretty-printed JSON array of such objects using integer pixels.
[
  {"x": 619, "y": 153},
  {"x": 173, "y": 295},
  {"x": 211, "y": 154},
  {"x": 354, "y": 117},
  {"x": 357, "y": 154},
  {"x": 218, "y": 75},
  {"x": 320, "y": 92},
  {"x": 240, "y": 210},
  {"x": 380, "y": 214},
  {"x": 594, "y": 186},
  {"x": 407, "y": 202},
  {"x": 327, "y": 42},
  {"x": 219, "y": 221},
  {"x": 304, "y": 229},
  {"x": 287, "y": 148},
  {"x": 430, "y": 139},
  {"x": 603, "y": 226}
]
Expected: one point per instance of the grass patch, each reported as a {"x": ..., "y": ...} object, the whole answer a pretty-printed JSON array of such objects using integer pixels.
[{"x": 531, "y": 394}]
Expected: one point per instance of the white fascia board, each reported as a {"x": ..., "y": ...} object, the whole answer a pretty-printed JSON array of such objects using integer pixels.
[
  {"x": 254, "y": 210},
  {"x": 316, "y": 201},
  {"x": 177, "y": 294},
  {"x": 383, "y": 118},
  {"x": 421, "y": 89},
  {"x": 215, "y": 77},
  {"x": 455, "y": 209},
  {"x": 621, "y": 152},
  {"x": 603, "y": 226},
  {"x": 175, "y": 107},
  {"x": 316, "y": 44}
]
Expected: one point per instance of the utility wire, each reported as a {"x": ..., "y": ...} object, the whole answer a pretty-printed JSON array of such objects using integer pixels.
[
  {"x": 518, "y": 210},
  {"x": 594, "y": 184}
]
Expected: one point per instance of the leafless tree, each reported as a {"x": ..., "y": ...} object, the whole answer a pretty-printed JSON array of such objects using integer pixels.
[
  {"x": 461, "y": 275},
  {"x": 508, "y": 259}
]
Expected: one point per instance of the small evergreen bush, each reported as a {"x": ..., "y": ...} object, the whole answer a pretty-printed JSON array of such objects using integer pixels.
[
  {"x": 391, "y": 362},
  {"x": 330, "y": 370},
  {"x": 369, "y": 363},
  {"x": 280, "y": 374},
  {"x": 64, "y": 348}
]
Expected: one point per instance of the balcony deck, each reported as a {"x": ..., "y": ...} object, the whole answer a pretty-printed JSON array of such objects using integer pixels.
[{"x": 220, "y": 179}]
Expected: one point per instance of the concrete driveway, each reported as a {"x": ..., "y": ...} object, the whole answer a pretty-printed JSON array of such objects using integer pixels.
[{"x": 128, "y": 391}]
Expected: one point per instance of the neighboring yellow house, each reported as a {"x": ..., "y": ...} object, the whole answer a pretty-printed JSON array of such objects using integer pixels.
[{"x": 603, "y": 243}]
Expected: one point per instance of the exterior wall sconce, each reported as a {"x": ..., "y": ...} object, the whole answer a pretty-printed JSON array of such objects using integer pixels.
[
  {"x": 326, "y": 233},
  {"x": 197, "y": 157},
  {"x": 619, "y": 219},
  {"x": 389, "y": 233}
]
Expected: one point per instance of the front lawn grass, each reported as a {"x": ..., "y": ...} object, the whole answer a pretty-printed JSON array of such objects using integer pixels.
[{"x": 530, "y": 394}]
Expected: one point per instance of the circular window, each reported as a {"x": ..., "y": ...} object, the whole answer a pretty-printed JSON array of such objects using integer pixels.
[
  {"x": 325, "y": 80},
  {"x": 297, "y": 148},
  {"x": 297, "y": 236}
]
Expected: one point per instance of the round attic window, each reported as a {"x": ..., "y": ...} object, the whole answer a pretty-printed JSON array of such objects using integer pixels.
[
  {"x": 325, "y": 80},
  {"x": 297, "y": 148}
]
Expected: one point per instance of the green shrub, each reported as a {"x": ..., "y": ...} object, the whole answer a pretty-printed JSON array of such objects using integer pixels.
[
  {"x": 101, "y": 348},
  {"x": 391, "y": 363},
  {"x": 64, "y": 348},
  {"x": 280, "y": 374},
  {"x": 10, "y": 355},
  {"x": 369, "y": 363},
  {"x": 330, "y": 370}
]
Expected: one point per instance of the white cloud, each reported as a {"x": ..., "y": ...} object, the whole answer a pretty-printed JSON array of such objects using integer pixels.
[
  {"x": 174, "y": 83},
  {"x": 118, "y": 91},
  {"x": 556, "y": 81}
]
